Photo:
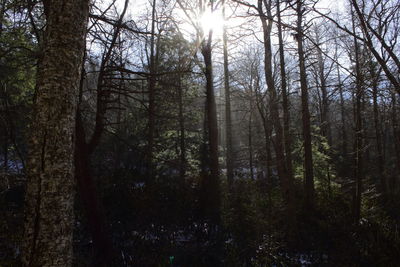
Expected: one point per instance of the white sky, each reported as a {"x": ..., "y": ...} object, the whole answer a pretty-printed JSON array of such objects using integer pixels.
[{"x": 138, "y": 8}]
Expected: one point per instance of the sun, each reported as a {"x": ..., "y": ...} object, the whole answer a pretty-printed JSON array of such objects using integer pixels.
[{"x": 212, "y": 21}]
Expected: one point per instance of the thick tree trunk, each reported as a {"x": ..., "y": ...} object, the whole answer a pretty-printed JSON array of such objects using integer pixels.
[
  {"x": 51, "y": 186},
  {"x": 308, "y": 160},
  {"x": 211, "y": 188}
]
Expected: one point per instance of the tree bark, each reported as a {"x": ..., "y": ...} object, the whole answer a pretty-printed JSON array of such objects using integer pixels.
[
  {"x": 285, "y": 99},
  {"x": 342, "y": 110},
  {"x": 102, "y": 245},
  {"x": 378, "y": 130},
  {"x": 396, "y": 135},
  {"x": 369, "y": 32},
  {"x": 358, "y": 153},
  {"x": 182, "y": 145},
  {"x": 250, "y": 130},
  {"x": 228, "y": 119},
  {"x": 151, "y": 107},
  {"x": 51, "y": 186},
  {"x": 286, "y": 181},
  {"x": 308, "y": 160},
  {"x": 211, "y": 189},
  {"x": 325, "y": 121}
]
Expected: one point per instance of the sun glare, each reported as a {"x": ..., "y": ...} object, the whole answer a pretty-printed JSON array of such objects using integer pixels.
[{"x": 212, "y": 21}]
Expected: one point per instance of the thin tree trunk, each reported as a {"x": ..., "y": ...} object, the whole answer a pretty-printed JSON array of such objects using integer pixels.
[
  {"x": 325, "y": 118},
  {"x": 378, "y": 131},
  {"x": 325, "y": 122},
  {"x": 6, "y": 133},
  {"x": 228, "y": 119},
  {"x": 287, "y": 182},
  {"x": 308, "y": 160},
  {"x": 358, "y": 154},
  {"x": 396, "y": 136},
  {"x": 369, "y": 33},
  {"x": 267, "y": 136},
  {"x": 151, "y": 107},
  {"x": 342, "y": 111},
  {"x": 250, "y": 133},
  {"x": 182, "y": 146},
  {"x": 102, "y": 243},
  {"x": 88, "y": 193},
  {"x": 285, "y": 99},
  {"x": 2, "y": 12},
  {"x": 5, "y": 151},
  {"x": 10, "y": 135}
]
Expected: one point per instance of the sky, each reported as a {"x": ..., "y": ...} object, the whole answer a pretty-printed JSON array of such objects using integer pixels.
[{"x": 138, "y": 7}]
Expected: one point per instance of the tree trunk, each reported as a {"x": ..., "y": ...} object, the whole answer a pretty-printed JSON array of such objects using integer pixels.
[
  {"x": 228, "y": 119},
  {"x": 358, "y": 154},
  {"x": 182, "y": 146},
  {"x": 378, "y": 131},
  {"x": 285, "y": 99},
  {"x": 5, "y": 152},
  {"x": 50, "y": 189},
  {"x": 211, "y": 181},
  {"x": 286, "y": 181},
  {"x": 325, "y": 122},
  {"x": 308, "y": 160},
  {"x": 2, "y": 12},
  {"x": 6, "y": 134},
  {"x": 151, "y": 107},
  {"x": 342, "y": 112},
  {"x": 102, "y": 245},
  {"x": 396, "y": 136},
  {"x": 250, "y": 133},
  {"x": 267, "y": 136}
]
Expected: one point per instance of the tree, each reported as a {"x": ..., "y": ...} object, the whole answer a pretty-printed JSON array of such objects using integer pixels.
[
  {"x": 383, "y": 13},
  {"x": 264, "y": 12},
  {"x": 86, "y": 144},
  {"x": 151, "y": 87},
  {"x": 211, "y": 180},
  {"x": 306, "y": 123},
  {"x": 285, "y": 96},
  {"x": 210, "y": 183},
  {"x": 379, "y": 27},
  {"x": 228, "y": 119},
  {"x": 50, "y": 188},
  {"x": 358, "y": 134}
]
